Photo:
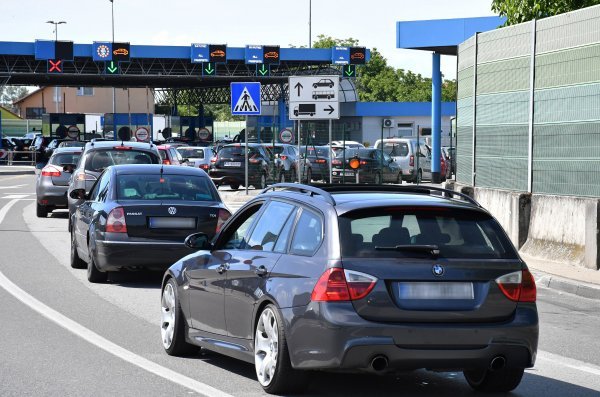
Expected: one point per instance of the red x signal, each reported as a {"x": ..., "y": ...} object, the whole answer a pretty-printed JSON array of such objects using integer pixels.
[{"x": 55, "y": 66}]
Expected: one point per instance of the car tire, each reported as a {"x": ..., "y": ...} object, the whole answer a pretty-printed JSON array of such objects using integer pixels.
[
  {"x": 76, "y": 261},
  {"x": 308, "y": 176},
  {"x": 293, "y": 176},
  {"x": 41, "y": 211},
  {"x": 419, "y": 177},
  {"x": 234, "y": 186},
  {"x": 399, "y": 179},
  {"x": 172, "y": 325},
  {"x": 281, "y": 178},
  {"x": 272, "y": 358},
  {"x": 503, "y": 380},
  {"x": 93, "y": 274},
  {"x": 262, "y": 183},
  {"x": 378, "y": 179}
]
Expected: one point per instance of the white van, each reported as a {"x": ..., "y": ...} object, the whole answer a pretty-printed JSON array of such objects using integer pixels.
[{"x": 414, "y": 159}]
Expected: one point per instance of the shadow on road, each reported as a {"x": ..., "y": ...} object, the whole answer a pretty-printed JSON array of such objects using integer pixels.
[{"x": 133, "y": 279}]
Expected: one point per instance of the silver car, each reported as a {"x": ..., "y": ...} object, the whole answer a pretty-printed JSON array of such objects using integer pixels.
[
  {"x": 197, "y": 156},
  {"x": 414, "y": 158},
  {"x": 53, "y": 180}
]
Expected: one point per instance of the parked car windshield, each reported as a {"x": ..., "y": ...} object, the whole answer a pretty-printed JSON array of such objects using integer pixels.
[
  {"x": 165, "y": 187},
  {"x": 191, "y": 153},
  {"x": 98, "y": 160},
  {"x": 236, "y": 151},
  {"x": 375, "y": 232}
]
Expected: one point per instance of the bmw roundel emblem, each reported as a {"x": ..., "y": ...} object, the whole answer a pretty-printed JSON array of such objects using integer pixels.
[
  {"x": 172, "y": 210},
  {"x": 438, "y": 270}
]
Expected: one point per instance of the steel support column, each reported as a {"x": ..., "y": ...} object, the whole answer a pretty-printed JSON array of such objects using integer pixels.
[{"x": 436, "y": 118}]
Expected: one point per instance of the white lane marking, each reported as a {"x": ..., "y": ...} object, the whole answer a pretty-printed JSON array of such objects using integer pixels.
[
  {"x": 11, "y": 187},
  {"x": 106, "y": 345},
  {"x": 6, "y": 208},
  {"x": 569, "y": 362},
  {"x": 15, "y": 196}
]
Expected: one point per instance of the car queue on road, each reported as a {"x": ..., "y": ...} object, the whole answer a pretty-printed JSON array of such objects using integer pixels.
[{"x": 337, "y": 247}]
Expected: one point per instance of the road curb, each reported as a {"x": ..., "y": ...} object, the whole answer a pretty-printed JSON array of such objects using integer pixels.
[
  {"x": 579, "y": 288},
  {"x": 17, "y": 172}
]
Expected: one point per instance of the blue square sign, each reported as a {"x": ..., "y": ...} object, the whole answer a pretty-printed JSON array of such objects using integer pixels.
[
  {"x": 200, "y": 53},
  {"x": 340, "y": 55},
  {"x": 254, "y": 54},
  {"x": 245, "y": 99},
  {"x": 102, "y": 51}
]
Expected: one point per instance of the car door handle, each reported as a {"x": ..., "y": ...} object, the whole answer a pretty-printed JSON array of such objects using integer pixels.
[
  {"x": 261, "y": 271},
  {"x": 221, "y": 269}
]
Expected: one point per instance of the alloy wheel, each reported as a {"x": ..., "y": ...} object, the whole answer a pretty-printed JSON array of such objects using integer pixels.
[
  {"x": 266, "y": 347},
  {"x": 168, "y": 312}
]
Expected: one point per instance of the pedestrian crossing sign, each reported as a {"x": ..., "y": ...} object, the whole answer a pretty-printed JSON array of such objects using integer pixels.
[{"x": 245, "y": 99}]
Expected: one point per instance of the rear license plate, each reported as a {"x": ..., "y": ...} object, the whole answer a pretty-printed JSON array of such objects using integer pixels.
[
  {"x": 349, "y": 173},
  {"x": 233, "y": 164},
  {"x": 435, "y": 290},
  {"x": 172, "y": 223}
]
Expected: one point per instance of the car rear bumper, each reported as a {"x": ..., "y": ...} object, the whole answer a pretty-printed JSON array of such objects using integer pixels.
[
  {"x": 332, "y": 336},
  {"x": 52, "y": 195},
  {"x": 151, "y": 254}
]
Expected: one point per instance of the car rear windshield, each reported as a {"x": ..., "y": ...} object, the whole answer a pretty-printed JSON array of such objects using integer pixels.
[
  {"x": 396, "y": 149},
  {"x": 236, "y": 151},
  {"x": 397, "y": 232},
  {"x": 65, "y": 158},
  {"x": 165, "y": 187},
  {"x": 315, "y": 151},
  {"x": 98, "y": 160},
  {"x": 275, "y": 149},
  {"x": 71, "y": 144},
  {"x": 191, "y": 153}
]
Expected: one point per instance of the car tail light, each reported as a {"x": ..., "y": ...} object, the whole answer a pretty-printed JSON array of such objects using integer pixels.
[
  {"x": 411, "y": 162},
  {"x": 337, "y": 284},
  {"x": 166, "y": 162},
  {"x": 116, "y": 221},
  {"x": 50, "y": 170},
  {"x": 214, "y": 159},
  {"x": 82, "y": 176},
  {"x": 222, "y": 218},
  {"x": 363, "y": 162},
  {"x": 320, "y": 161},
  {"x": 283, "y": 157},
  {"x": 336, "y": 162},
  {"x": 518, "y": 286},
  {"x": 253, "y": 161},
  {"x": 204, "y": 166},
  {"x": 122, "y": 147}
]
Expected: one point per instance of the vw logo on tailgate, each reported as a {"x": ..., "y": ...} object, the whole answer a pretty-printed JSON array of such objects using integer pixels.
[
  {"x": 172, "y": 210},
  {"x": 438, "y": 270}
]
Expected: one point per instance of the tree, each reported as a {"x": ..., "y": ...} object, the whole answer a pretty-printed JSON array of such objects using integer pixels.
[
  {"x": 11, "y": 93},
  {"x": 517, "y": 11}
]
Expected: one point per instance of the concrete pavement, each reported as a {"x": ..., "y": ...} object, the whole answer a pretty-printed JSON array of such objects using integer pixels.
[{"x": 17, "y": 170}]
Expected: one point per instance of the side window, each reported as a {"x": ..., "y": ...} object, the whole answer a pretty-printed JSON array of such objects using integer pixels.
[
  {"x": 236, "y": 236},
  {"x": 100, "y": 189},
  {"x": 308, "y": 234},
  {"x": 269, "y": 226},
  {"x": 286, "y": 232},
  {"x": 176, "y": 154}
]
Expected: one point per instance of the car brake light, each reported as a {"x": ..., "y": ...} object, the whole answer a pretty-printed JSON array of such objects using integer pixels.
[
  {"x": 82, "y": 176},
  {"x": 411, "y": 162},
  {"x": 122, "y": 147},
  {"x": 253, "y": 161},
  {"x": 518, "y": 286},
  {"x": 214, "y": 159},
  {"x": 337, "y": 284},
  {"x": 336, "y": 162},
  {"x": 166, "y": 162},
  {"x": 363, "y": 162},
  {"x": 283, "y": 157},
  {"x": 222, "y": 218},
  {"x": 204, "y": 166},
  {"x": 116, "y": 221},
  {"x": 50, "y": 170},
  {"x": 320, "y": 161}
]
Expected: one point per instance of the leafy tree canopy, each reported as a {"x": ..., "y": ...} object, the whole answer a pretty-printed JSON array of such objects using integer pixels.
[{"x": 517, "y": 11}]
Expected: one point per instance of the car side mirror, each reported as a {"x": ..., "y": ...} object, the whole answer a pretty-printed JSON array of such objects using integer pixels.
[
  {"x": 78, "y": 194},
  {"x": 68, "y": 168},
  {"x": 199, "y": 241},
  {"x": 185, "y": 161}
]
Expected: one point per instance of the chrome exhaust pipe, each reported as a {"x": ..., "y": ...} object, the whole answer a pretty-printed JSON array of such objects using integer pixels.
[
  {"x": 497, "y": 363},
  {"x": 379, "y": 363}
]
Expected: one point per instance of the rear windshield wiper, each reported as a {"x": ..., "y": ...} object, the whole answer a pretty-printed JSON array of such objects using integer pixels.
[{"x": 427, "y": 248}]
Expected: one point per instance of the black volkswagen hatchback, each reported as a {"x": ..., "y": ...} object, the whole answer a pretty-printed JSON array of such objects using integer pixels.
[
  {"x": 356, "y": 278},
  {"x": 138, "y": 216}
]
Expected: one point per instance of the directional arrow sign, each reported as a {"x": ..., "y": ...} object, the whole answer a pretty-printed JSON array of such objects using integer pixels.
[
  {"x": 112, "y": 67},
  {"x": 263, "y": 70},
  {"x": 314, "y": 97},
  {"x": 350, "y": 71},
  {"x": 209, "y": 69}
]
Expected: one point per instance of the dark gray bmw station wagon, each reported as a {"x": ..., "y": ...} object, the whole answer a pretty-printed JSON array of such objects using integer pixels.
[{"x": 356, "y": 278}]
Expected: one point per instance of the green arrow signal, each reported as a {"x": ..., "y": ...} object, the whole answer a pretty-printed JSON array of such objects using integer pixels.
[
  {"x": 263, "y": 70},
  {"x": 209, "y": 69},
  {"x": 350, "y": 71},
  {"x": 112, "y": 68}
]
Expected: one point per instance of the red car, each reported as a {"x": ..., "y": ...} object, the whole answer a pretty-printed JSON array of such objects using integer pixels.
[{"x": 170, "y": 155}]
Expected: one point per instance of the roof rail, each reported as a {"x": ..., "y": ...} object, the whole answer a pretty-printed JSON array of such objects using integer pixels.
[
  {"x": 302, "y": 189},
  {"x": 419, "y": 189}
]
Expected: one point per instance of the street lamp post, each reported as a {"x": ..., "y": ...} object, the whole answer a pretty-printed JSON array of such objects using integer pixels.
[{"x": 56, "y": 27}]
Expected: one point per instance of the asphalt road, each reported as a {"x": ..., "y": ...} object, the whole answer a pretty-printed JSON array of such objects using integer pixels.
[{"x": 64, "y": 336}]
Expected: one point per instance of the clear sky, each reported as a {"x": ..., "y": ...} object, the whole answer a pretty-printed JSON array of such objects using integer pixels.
[{"x": 236, "y": 22}]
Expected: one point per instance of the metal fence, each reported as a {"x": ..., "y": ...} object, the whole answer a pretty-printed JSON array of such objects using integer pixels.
[
  {"x": 19, "y": 158},
  {"x": 528, "y": 116}
]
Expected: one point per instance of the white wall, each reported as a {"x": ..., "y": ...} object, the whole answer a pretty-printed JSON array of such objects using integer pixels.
[{"x": 371, "y": 127}]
